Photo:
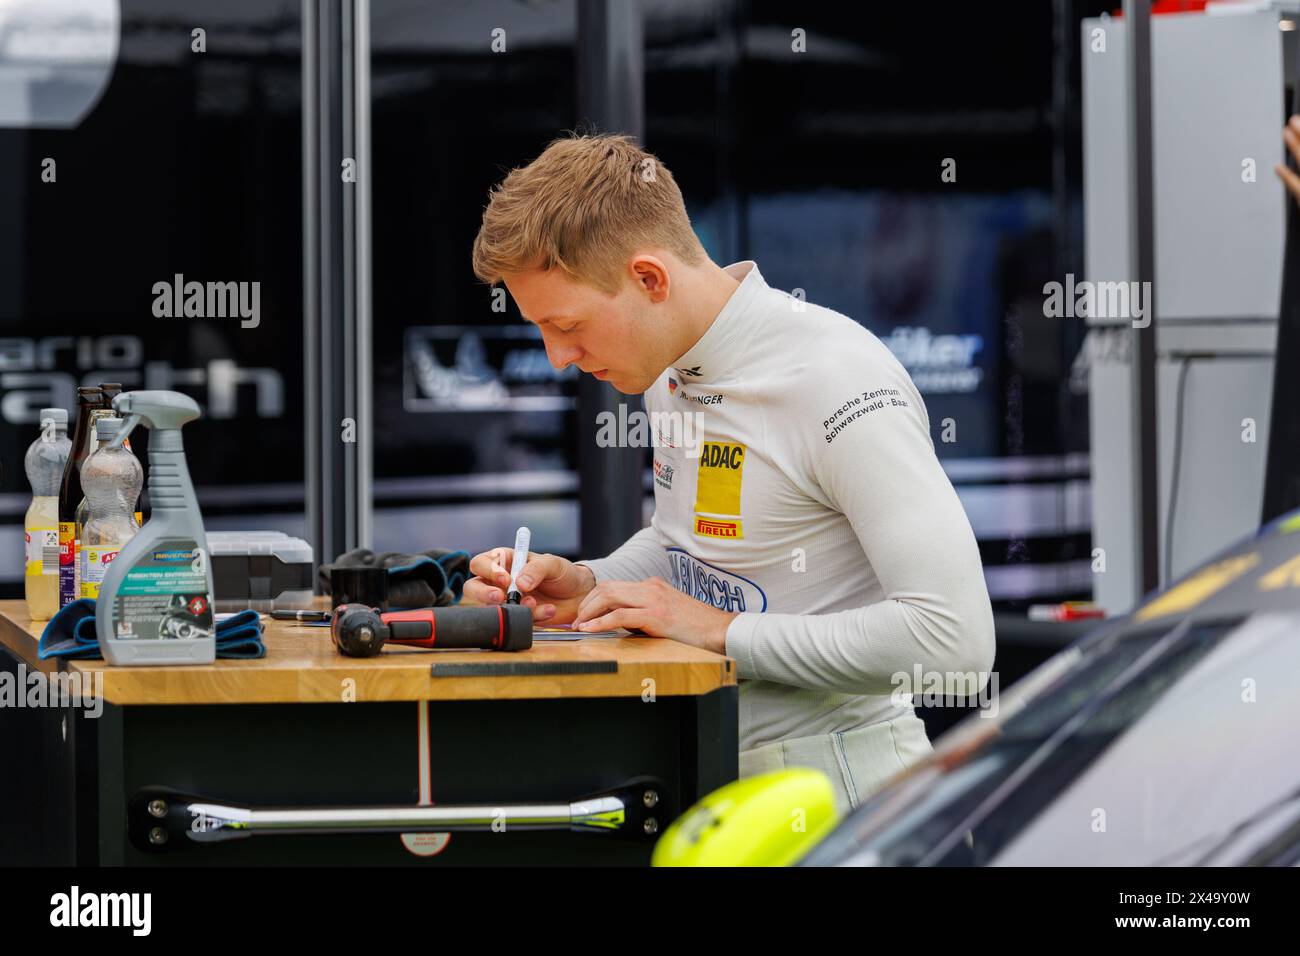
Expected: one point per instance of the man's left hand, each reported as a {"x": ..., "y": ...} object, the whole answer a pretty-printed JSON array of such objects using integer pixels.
[{"x": 657, "y": 609}]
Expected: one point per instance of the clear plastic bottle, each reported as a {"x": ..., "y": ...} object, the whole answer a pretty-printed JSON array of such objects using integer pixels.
[
  {"x": 45, "y": 461},
  {"x": 93, "y": 443},
  {"x": 111, "y": 390},
  {"x": 97, "y": 441},
  {"x": 111, "y": 478}
]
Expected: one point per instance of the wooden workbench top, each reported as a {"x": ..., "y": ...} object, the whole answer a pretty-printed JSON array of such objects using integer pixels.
[{"x": 302, "y": 666}]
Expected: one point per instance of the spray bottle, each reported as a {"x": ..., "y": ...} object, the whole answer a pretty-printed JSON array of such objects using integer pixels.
[{"x": 155, "y": 602}]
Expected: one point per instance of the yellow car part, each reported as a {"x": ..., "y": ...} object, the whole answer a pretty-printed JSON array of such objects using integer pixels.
[{"x": 771, "y": 819}]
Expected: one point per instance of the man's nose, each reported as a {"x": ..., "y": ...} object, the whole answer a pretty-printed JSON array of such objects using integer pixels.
[{"x": 562, "y": 356}]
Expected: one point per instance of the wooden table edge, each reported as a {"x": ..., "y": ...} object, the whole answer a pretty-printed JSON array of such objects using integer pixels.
[{"x": 335, "y": 679}]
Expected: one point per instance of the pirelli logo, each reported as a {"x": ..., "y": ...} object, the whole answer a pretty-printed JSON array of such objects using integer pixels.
[
  {"x": 717, "y": 490},
  {"x": 714, "y": 528}
]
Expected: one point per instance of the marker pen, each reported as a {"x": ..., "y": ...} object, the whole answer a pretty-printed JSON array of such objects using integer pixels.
[{"x": 522, "y": 538}]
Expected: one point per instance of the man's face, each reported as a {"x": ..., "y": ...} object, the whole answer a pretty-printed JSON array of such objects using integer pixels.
[{"x": 612, "y": 336}]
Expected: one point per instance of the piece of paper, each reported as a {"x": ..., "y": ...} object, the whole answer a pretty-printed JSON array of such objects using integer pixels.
[{"x": 565, "y": 632}]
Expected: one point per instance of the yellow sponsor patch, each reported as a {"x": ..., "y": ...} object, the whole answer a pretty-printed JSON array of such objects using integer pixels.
[
  {"x": 717, "y": 528},
  {"x": 718, "y": 489}
]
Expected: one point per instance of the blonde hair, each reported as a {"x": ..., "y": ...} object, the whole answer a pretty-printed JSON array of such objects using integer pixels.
[{"x": 585, "y": 205}]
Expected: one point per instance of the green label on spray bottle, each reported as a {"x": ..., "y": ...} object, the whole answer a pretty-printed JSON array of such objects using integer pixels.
[{"x": 165, "y": 595}]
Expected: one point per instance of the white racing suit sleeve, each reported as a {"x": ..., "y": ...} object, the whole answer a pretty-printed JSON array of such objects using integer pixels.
[
  {"x": 881, "y": 472},
  {"x": 640, "y": 557}
]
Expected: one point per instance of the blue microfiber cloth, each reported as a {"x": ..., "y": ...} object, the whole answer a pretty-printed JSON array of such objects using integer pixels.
[{"x": 71, "y": 634}]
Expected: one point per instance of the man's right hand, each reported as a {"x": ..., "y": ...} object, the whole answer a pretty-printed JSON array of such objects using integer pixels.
[{"x": 552, "y": 586}]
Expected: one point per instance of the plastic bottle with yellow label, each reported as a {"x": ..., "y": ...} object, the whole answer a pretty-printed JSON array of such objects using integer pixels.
[{"x": 45, "y": 461}]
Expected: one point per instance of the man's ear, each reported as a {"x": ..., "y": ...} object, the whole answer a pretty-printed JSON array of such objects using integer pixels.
[{"x": 650, "y": 273}]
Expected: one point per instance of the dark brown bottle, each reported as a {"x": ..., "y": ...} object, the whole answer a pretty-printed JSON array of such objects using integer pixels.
[
  {"x": 111, "y": 390},
  {"x": 89, "y": 398}
]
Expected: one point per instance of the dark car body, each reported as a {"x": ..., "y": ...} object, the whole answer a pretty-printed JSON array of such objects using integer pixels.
[{"x": 1168, "y": 737}]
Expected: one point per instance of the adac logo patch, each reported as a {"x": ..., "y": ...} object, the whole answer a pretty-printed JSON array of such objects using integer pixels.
[{"x": 717, "y": 491}]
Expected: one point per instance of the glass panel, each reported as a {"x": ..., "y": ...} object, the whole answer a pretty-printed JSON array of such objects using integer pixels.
[
  {"x": 474, "y": 430},
  {"x": 179, "y": 163},
  {"x": 813, "y": 141}
]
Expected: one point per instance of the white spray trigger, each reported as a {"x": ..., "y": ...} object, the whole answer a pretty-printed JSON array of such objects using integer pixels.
[{"x": 124, "y": 432}]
